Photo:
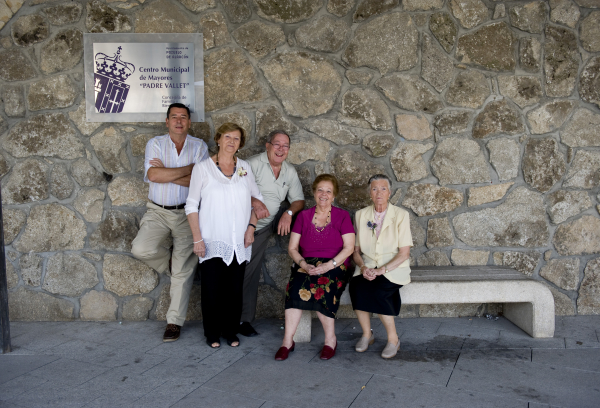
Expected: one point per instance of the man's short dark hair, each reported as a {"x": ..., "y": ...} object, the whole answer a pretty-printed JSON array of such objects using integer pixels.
[
  {"x": 276, "y": 132},
  {"x": 178, "y": 105}
]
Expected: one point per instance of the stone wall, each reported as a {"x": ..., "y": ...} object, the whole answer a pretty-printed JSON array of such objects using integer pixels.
[{"x": 484, "y": 113}]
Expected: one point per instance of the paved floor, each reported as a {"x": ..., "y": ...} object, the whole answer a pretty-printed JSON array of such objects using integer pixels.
[{"x": 449, "y": 362}]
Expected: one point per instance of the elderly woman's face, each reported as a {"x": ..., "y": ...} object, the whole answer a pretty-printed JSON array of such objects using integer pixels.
[
  {"x": 380, "y": 192},
  {"x": 230, "y": 141},
  {"x": 324, "y": 193}
]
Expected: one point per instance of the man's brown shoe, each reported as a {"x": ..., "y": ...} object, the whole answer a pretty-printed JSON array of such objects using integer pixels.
[{"x": 172, "y": 332}]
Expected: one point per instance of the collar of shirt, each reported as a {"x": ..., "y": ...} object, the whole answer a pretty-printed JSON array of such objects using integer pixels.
[
  {"x": 265, "y": 159},
  {"x": 174, "y": 146}
]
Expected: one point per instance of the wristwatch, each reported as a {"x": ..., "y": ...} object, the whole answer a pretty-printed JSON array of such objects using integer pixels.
[
  {"x": 290, "y": 212},
  {"x": 334, "y": 263}
]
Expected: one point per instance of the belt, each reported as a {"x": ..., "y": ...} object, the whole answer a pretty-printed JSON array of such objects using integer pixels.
[{"x": 171, "y": 207}]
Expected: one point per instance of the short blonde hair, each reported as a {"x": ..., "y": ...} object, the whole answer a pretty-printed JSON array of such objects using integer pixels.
[
  {"x": 326, "y": 177},
  {"x": 230, "y": 127}
]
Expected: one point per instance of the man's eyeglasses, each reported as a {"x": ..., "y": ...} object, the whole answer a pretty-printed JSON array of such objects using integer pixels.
[{"x": 280, "y": 146}]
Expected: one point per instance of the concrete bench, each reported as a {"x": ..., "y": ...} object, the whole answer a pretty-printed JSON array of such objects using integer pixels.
[{"x": 527, "y": 303}]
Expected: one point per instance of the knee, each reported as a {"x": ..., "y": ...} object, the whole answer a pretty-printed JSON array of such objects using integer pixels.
[{"x": 141, "y": 252}]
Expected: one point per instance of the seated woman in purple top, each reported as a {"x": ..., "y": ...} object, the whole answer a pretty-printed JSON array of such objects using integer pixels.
[{"x": 321, "y": 243}]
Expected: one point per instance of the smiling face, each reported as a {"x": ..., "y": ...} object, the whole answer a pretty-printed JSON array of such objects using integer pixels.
[
  {"x": 324, "y": 194},
  {"x": 229, "y": 142},
  {"x": 178, "y": 122},
  {"x": 380, "y": 193},
  {"x": 278, "y": 149}
]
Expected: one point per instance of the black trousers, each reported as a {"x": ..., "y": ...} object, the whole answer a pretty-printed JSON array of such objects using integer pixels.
[{"x": 221, "y": 300}]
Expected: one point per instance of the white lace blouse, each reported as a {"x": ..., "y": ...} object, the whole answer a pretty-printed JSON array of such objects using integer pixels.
[{"x": 224, "y": 209}]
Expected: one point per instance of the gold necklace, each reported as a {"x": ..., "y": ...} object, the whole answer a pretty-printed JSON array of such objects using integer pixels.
[{"x": 320, "y": 229}]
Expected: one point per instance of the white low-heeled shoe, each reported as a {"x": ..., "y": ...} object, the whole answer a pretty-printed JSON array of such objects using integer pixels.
[
  {"x": 364, "y": 343},
  {"x": 390, "y": 350}
]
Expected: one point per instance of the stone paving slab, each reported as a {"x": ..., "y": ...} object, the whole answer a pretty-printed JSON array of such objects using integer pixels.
[
  {"x": 384, "y": 392},
  {"x": 168, "y": 393},
  {"x": 433, "y": 367},
  {"x": 582, "y": 328},
  {"x": 291, "y": 383},
  {"x": 137, "y": 361},
  {"x": 508, "y": 341},
  {"x": 201, "y": 368},
  {"x": 443, "y": 362},
  {"x": 527, "y": 381},
  {"x": 69, "y": 373},
  {"x": 495, "y": 354},
  {"x": 588, "y": 360},
  {"x": 120, "y": 387},
  {"x": 14, "y": 366},
  {"x": 206, "y": 397},
  {"x": 456, "y": 330},
  {"x": 18, "y": 386},
  {"x": 578, "y": 344}
]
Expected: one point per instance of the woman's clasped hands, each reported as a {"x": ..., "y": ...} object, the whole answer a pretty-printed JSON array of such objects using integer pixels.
[
  {"x": 371, "y": 273},
  {"x": 318, "y": 270}
]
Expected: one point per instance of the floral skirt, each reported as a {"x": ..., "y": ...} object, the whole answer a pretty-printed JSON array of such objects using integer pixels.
[{"x": 319, "y": 292}]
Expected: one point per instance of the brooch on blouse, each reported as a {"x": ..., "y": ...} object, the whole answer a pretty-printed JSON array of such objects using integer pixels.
[
  {"x": 242, "y": 172},
  {"x": 371, "y": 225}
]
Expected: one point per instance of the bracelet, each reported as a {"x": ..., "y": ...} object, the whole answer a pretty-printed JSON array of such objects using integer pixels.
[
  {"x": 199, "y": 241},
  {"x": 300, "y": 261},
  {"x": 252, "y": 225}
]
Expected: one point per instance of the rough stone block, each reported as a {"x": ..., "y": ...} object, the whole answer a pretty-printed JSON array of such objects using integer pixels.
[
  {"x": 365, "y": 108},
  {"x": 126, "y": 276},
  {"x": 588, "y": 301},
  {"x": 439, "y": 233},
  {"x": 51, "y": 93},
  {"x": 31, "y": 269},
  {"x": 137, "y": 309},
  {"x": 12, "y": 222},
  {"x": 69, "y": 274},
  {"x": 466, "y": 257},
  {"x": 28, "y": 305},
  {"x": 98, "y": 306},
  {"x": 387, "y": 43},
  {"x": 487, "y": 194}
]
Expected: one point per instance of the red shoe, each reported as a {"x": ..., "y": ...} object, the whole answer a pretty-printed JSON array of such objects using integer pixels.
[
  {"x": 284, "y": 352},
  {"x": 328, "y": 352}
]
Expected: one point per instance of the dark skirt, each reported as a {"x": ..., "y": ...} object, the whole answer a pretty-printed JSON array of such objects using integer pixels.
[
  {"x": 319, "y": 292},
  {"x": 377, "y": 296}
]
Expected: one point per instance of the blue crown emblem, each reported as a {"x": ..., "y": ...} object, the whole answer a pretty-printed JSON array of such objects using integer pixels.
[{"x": 109, "y": 82}]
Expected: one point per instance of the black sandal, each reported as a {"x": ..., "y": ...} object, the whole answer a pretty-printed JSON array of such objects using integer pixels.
[
  {"x": 233, "y": 339},
  {"x": 210, "y": 343}
]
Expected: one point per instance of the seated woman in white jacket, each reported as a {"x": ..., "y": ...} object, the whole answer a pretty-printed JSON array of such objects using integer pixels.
[{"x": 382, "y": 258}]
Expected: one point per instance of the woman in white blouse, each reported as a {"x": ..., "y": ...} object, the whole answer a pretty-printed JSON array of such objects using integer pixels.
[{"x": 222, "y": 221}]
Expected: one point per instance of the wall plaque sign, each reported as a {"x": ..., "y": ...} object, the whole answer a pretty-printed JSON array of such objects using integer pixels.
[{"x": 135, "y": 77}]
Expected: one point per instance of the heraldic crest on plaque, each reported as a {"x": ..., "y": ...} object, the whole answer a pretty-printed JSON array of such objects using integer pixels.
[{"x": 109, "y": 82}]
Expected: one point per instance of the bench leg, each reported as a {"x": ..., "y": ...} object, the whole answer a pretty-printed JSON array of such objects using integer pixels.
[
  {"x": 524, "y": 316},
  {"x": 304, "y": 328}
]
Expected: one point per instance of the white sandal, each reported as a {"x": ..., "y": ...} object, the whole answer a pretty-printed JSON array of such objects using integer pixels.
[{"x": 364, "y": 343}]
